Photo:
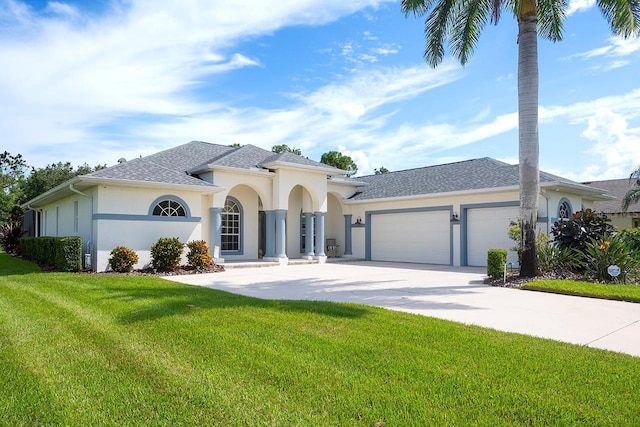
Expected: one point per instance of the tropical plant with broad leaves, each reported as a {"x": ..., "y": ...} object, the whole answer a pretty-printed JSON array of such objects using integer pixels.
[{"x": 460, "y": 23}]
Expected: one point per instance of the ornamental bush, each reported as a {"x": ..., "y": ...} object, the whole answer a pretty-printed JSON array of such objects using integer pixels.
[
  {"x": 496, "y": 260},
  {"x": 198, "y": 255},
  {"x": 122, "y": 259},
  {"x": 580, "y": 229},
  {"x": 166, "y": 253},
  {"x": 611, "y": 249},
  {"x": 632, "y": 237}
]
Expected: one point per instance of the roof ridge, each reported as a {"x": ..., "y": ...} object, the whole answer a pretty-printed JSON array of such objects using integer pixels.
[{"x": 440, "y": 165}]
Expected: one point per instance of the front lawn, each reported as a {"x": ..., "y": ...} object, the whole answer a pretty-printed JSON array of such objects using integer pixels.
[
  {"x": 82, "y": 349},
  {"x": 619, "y": 292}
]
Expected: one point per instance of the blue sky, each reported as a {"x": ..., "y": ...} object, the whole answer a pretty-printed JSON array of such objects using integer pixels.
[{"x": 96, "y": 81}]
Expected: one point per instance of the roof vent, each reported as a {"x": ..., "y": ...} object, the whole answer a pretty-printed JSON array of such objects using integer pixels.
[{"x": 122, "y": 160}]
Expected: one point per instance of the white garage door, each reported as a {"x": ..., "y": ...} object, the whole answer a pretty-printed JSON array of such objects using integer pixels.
[
  {"x": 421, "y": 237},
  {"x": 487, "y": 228}
]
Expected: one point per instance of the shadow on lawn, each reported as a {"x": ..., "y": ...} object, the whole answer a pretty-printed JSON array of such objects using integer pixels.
[{"x": 181, "y": 300}]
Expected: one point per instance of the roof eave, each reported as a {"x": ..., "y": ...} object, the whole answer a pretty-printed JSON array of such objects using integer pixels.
[
  {"x": 433, "y": 195},
  {"x": 591, "y": 193},
  {"x": 327, "y": 170}
]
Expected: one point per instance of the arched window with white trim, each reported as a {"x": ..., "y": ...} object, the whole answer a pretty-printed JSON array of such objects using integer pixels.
[{"x": 231, "y": 233}]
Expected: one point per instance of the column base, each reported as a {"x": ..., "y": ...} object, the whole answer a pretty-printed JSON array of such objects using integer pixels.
[
  {"x": 308, "y": 257},
  {"x": 321, "y": 259},
  {"x": 218, "y": 260}
]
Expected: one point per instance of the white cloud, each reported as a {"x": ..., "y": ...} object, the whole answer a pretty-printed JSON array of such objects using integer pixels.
[
  {"x": 617, "y": 49},
  {"x": 579, "y": 6},
  {"x": 359, "y": 157},
  {"x": 65, "y": 76}
]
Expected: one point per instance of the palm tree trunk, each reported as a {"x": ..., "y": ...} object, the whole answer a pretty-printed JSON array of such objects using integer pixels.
[{"x": 528, "y": 135}]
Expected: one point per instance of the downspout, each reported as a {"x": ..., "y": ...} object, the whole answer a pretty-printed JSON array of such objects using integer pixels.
[
  {"x": 548, "y": 214},
  {"x": 90, "y": 242}
]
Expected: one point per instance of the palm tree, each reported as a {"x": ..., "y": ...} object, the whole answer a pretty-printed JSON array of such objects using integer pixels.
[
  {"x": 461, "y": 22},
  {"x": 633, "y": 195}
]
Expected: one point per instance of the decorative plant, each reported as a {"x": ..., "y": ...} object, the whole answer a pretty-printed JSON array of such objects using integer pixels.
[
  {"x": 611, "y": 249},
  {"x": 198, "y": 255},
  {"x": 122, "y": 259},
  {"x": 166, "y": 253},
  {"x": 515, "y": 233},
  {"x": 554, "y": 259},
  {"x": 580, "y": 229}
]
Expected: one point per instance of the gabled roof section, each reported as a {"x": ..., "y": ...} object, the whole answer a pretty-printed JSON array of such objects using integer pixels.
[
  {"x": 250, "y": 157},
  {"x": 477, "y": 174},
  {"x": 168, "y": 166},
  {"x": 616, "y": 188}
]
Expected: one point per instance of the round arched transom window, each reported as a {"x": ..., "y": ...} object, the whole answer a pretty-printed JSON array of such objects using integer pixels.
[{"x": 169, "y": 207}]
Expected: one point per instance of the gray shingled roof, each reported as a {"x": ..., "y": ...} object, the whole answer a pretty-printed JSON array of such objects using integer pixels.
[
  {"x": 173, "y": 166},
  {"x": 616, "y": 188},
  {"x": 460, "y": 176}
]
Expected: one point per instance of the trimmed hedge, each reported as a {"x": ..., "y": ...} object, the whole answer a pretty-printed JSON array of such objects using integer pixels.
[
  {"x": 61, "y": 253},
  {"x": 496, "y": 259}
]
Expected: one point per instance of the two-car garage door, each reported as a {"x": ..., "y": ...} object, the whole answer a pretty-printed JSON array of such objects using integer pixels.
[{"x": 422, "y": 237}]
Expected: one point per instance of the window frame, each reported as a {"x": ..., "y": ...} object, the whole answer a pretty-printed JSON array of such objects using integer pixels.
[
  {"x": 237, "y": 228},
  {"x": 171, "y": 199},
  {"x": 566, "y": 204}
]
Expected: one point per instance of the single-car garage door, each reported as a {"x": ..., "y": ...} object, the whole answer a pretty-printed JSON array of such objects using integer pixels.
[
  {"x": 422, "y": 237},
  {"x": 487, "y": 228}
]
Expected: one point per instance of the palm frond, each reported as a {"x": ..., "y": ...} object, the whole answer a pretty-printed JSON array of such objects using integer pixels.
[
  {"x": 470, "y": 22},
  {"x": 623, "y": 16},
  {"x": 416, "y": 7},
  {"x": 437, "y": 27},
  {"x": 633, "y": 195},
  {"x": 551, "y": 15}
]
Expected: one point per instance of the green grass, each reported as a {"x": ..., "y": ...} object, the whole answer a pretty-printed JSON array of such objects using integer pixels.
[
  {"x": 619, "y": 292},
  {"x": 104, "y": 350}
]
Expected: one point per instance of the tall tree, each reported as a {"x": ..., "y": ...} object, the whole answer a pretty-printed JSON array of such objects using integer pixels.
[
  {"x": 340, "y": 161},
  {"x": 284, "y": 148},
  {"x": 633, "y": 195},
  {"x": 460, "y": 22},
  {"x": 12, "y": 170},
  {"x": 381, "y": 170},
  {"x": 44, "y": 179}
]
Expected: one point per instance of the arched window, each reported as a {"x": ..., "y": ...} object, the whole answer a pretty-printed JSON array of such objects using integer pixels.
[
  {"x": 169, "y": 207},
  {"x": 231, "y": 226},
  {"x": 564, "y": 209}
]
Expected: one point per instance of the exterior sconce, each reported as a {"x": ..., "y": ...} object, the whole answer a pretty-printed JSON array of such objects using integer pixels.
[
  {"x": 454, "y": 217},
  {"x": 358, "y": 220}
]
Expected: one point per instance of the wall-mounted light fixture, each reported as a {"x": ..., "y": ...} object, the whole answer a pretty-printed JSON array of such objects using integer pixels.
[
  {"x": 358, "y": 220},
  {"x": 454, "y": 217}
]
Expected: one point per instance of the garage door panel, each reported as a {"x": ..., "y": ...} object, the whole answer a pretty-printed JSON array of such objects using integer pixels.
[
  {"x": 487, "y": 228},
  {"x": 421, "y": 237}
]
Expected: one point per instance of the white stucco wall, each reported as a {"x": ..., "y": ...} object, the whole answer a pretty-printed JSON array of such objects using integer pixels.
[{"x": 124, "y": 220}]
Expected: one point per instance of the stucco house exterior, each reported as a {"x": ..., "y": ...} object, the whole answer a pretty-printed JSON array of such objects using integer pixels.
[
  {"x": 249, "y": 203},
  {"x": 617, "y": 188}
]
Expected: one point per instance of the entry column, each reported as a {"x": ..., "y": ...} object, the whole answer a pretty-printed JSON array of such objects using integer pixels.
[
  {"x": 270, "y": 234},
  {"x": 215, "y": 215},
  {"x": 320, "y": 236},
  {"x": 281, "y": 233},
  {"x": 308, "y": 238}
]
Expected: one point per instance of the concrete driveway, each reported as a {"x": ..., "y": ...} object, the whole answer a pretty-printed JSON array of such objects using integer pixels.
[{"x": 453, "y": 293}]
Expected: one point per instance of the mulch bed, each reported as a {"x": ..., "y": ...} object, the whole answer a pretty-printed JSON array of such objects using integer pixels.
[{"x": 182, "y": 270}]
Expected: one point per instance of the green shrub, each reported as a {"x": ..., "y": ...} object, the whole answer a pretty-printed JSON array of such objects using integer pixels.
[
  {"x": 68, "y": 253},
  {"x": 580, "y": 229},
  {"x": 610, "y": 250},
  {"x": 198, "y": 255},
  {"x": 496, "y": 259},
  {"x": 10, "y": 234},
  {"x": 632, "y": 237},
  {"x": 166, "y": 253},
  {"x": 515, "y": 233},
  {"x": 122, "y": 259},
  {"x": 61, "y": 253}
]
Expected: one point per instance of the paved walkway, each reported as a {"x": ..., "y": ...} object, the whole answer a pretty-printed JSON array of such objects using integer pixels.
[{"x": 453, "y": 293}]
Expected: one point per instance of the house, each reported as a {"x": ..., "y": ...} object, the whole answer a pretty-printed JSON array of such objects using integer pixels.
[
  {"x": 249, "y": 203},
  {"x": 617, "y": 188}
]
